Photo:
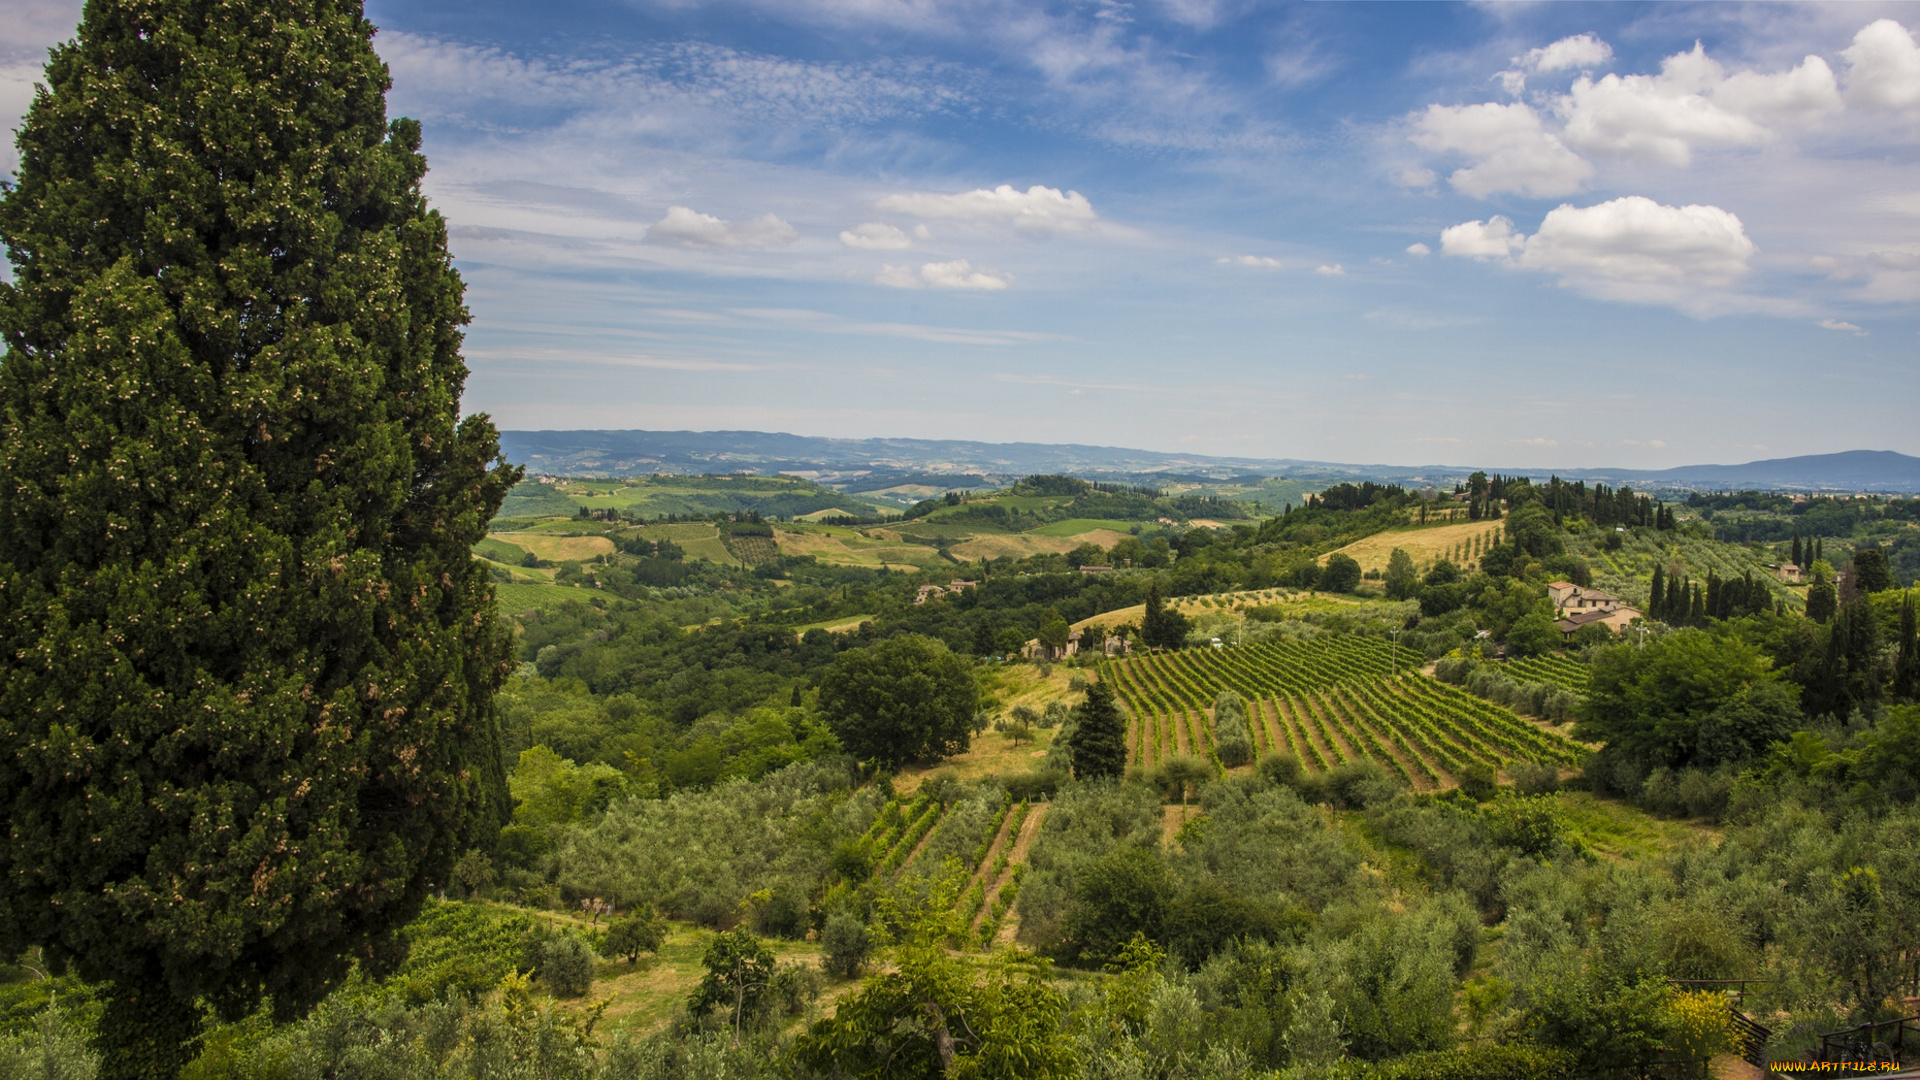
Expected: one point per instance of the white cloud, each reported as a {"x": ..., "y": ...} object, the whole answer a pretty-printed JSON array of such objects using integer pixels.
[
  {"x": 1799, "y": 95},
  {"x": 1846, "y": 327},
  {"x": 1509, "y": 147},
  {"x": 1417, "y": 248},
  {"x": 1037, "y": 209},
  {"x": 1266, "y": 261},
  {"x": 1415, "y": 177},
  {"x": 1569, "y": 53},
  {"x": 958, "y": 274},
  {"x": 1630, "y": 245},
  {"x": 1630, "y": 248},
  {"x": 1491, "y": 239},
  {"x": 1336, "y": 270},
  {"x": 1658, "y": 117},
  {"x": 690, "y": 228},
  {"x": 1883, "y": 66},
  {"x": 874, "y": 236}
]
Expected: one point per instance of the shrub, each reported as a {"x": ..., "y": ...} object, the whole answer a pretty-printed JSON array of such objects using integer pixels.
[
  {"x": 1282, "y": 769},
  {"x": 1233, "y": 742},
  {"x": 1532, "y": 778},
  {"x": 1484, "y": 1061},
  {"x": 847, "y": 943},
  {"x": 642, "y": 931},
  {"x": 566, "y": 965}
]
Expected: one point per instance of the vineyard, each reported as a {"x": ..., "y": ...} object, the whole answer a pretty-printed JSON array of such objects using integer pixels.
[
  {"x": 986, "y": 836},
  {"x": 1555, "y": 669},
  {"x": 1326, "y": 702}
]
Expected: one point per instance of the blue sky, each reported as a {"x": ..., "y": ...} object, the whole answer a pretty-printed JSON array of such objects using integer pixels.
[{"x": 1524, "y": 235}]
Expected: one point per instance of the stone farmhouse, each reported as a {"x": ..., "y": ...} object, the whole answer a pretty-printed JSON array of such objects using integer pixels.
[{"x": 1576, "y": 606}]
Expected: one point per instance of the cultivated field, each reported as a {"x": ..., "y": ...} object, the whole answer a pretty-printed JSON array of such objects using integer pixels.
[
  {"x": 698, "y": 539},
  {"x": 558, "y": 548},
  {"x": 1425, "y": 546},
  {"x": 1228, "y": 601},
  {"x": 1021, "y": 545},
  {"x": 1326, "y": 702},
  {"x": 838, "y": 545},
  {"x": 1080, "y": 527}
]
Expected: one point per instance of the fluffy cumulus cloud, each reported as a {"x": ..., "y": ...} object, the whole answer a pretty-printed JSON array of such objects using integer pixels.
[
  {"x": 1494, "y": 238},
  {"x": 1634, "y": 241},
  {"x": 1843, "y": 327},
  {"x": 1692, "y": 102},
  {"x": 874, "y": 236},
  {"x": 1544, "y": 147},
  {"x": 1567, "y": 54},
  {"x": 1265, "y": 261},
  {"x": 1631, "y": 248},
  {"x": 1883, "y": 67},
  {"x": 1037, "y": 209},
  {"x": 1510, "y": 150},
  {"x": 958, "y": 274},
  {"x": 683, "y": 227}
]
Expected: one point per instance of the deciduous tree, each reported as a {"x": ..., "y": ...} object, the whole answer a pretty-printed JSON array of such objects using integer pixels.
[{"x": 905, "y": 699}]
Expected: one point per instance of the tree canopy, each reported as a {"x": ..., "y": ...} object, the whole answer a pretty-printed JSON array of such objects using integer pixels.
[
  {"x": 1098, "y": 742},
  {"x": 246, "y": 713},
  {"x": 905, "y": 699},
  {"x": 1691, "y": 697}
]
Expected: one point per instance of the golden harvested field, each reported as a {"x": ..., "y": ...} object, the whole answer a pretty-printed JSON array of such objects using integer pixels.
[
  {"x": 840, "y": 546},
  {"x": 827, "y": 513},
  {"x": 1425, "y": 545},
  {"x": 1021, "y": 545},
  {"x": 1228, "y": 601},
  {"x": 559, "y": 548}
]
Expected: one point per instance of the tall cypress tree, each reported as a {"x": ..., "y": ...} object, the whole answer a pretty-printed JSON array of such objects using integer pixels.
[
  {"x": 1098, "y": 745},
  {"x": 1657, "y": 593},
  {"x": 1906, "y": 665},
  {"x": 246, "y": 715}
]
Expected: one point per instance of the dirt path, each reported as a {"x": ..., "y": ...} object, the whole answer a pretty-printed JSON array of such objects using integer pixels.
[
  {"x": 1028, "y": 833},
  {"x": 924, "y": 841},
  {"x": 993, "y": 850},
  {"x": 1390, "y": 739},
  {"x": 1329, "y": 731}
]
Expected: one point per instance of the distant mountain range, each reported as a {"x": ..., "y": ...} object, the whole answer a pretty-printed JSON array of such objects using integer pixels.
[{"x": 870, "y": 464}]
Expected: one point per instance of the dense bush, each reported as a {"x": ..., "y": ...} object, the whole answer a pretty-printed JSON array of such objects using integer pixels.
[{"x": 847, "y": 944}]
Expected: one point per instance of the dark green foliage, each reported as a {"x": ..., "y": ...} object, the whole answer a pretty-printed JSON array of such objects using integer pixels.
[
  {"x": 234, "y": 553},
  {"x": 1161, "y": 627},
  {"x": 1341, "y": 574},
  {"x": 1098, "y": 743},
  {"x": 739, "y": 978},
  {"x": 1123, "y": 894},
  {"x": 847, "y": 943},
  {"x": 1906, "y": 664},
  {"x": 1655, "y": 703},
  {"x": 566, "y": 965},
  {"x": 638, "y": 932},
  {"x": 1533, "y": 634},
  {"x": 1233, "y": 741},
  {"x": 1871, "y": 574},
  {"x": 1481, "y": 1061},
  {"x": 1208, "y": 917},
  {"x": 904, "y": 699},
  {"x": 1822, "y": 600}
]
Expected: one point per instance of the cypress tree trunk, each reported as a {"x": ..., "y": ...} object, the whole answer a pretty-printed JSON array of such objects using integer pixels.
[{"x": 246, "y": 712}]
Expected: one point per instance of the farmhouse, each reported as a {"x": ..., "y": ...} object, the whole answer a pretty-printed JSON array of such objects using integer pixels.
[
  {"x": 1789, "y": 573},
  {"x": 1568, "y": 598},
  {"x": 1617, "y": 618},
  {"x": 935, "y": 592}
]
